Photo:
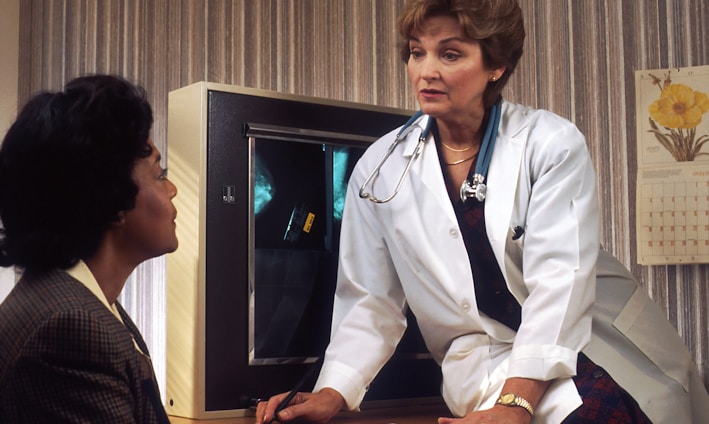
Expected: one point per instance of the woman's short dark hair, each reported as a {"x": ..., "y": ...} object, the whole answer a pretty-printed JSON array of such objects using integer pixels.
[
  {"x": 65, "y": 170},
  {"x": 497, "y": 25}
]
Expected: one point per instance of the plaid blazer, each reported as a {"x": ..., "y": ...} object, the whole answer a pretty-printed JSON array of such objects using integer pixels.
[{"x": 64, "y": 357}]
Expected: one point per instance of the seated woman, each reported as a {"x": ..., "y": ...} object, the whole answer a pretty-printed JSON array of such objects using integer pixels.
[{"x": 83, "y": 201}]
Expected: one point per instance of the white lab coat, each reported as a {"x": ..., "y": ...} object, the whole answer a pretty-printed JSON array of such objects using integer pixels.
[{"x": 409, "y": 251}]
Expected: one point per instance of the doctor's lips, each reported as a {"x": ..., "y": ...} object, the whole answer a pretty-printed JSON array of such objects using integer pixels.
[{"x": 430, "y": 92}]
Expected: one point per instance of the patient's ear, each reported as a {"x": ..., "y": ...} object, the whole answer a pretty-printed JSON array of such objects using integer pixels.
[{"x": 121, "y": 219}]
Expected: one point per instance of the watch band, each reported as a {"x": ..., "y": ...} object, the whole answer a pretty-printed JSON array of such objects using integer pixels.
[{"x": 511, "y": 399}]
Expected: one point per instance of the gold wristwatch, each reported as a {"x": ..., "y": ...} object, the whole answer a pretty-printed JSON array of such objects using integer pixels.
[{"x": 511, "y": 399}]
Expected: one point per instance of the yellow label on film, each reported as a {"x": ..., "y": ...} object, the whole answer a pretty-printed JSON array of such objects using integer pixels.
[{"x": 309, "y": 222}]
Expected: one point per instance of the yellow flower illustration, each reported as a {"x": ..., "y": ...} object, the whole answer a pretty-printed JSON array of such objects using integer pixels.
[
  {"x": 679, "y": 107},
  {"x": 679, "y": 110}
]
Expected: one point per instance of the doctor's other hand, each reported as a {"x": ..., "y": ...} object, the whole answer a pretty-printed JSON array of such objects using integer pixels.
[
  {"x": 317, "y": 407},
  {"x": 496, "y": 415}
]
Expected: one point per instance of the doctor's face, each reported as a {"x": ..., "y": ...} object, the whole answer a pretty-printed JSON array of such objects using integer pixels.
[{"x": 447, "y": 71}]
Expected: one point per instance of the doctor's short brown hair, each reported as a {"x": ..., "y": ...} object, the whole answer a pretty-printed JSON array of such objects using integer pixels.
[{"x": 497, "y": 25}]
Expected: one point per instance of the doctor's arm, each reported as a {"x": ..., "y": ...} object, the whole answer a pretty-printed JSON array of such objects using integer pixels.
[
  {"x": 368, "y": 318},
  {"x": 559, "y": 250},
  {"x": 368, "y": 321}
]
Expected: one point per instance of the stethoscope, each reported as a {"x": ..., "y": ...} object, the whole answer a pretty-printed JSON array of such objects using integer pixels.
[{"x": 474, "y": 187}]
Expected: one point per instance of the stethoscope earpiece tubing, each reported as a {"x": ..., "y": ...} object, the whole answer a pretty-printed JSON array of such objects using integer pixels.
[
  {"x": 403, "y": 132},
  {"x": 475, "y": 189}
]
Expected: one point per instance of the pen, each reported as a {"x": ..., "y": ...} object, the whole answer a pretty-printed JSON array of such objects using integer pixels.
[{"x": 295, "y": 391}]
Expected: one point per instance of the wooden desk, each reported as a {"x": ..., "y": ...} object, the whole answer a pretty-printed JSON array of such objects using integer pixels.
[{"x": 414, "y": 414}]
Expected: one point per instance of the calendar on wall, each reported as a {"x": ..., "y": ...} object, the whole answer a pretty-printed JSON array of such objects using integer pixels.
[{"x": 673, "y": 165}]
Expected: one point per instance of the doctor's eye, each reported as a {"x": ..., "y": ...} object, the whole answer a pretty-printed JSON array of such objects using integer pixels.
[
  {"x": 163, "y": 174},
  {"x": 415, "y": 53},
  {"x": 450, "y": 56}
]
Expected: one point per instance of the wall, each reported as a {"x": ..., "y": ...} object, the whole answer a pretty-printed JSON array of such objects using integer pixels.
[
  {"x": 9, "y": 45},
  {"x": 579, "y": 62}
]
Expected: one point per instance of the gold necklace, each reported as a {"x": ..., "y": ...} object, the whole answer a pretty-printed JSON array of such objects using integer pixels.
[
  {"x": 461, "y": 161},
  {"x": 456, "y": 150}
]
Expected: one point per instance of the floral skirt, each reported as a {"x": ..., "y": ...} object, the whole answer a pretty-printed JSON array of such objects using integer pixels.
[{"x": 604, "y": 401}]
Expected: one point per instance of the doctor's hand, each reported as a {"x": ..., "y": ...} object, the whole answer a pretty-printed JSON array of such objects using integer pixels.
[
  {"x": 496, "y": 415},
  {"x": 305, "y": 407}
]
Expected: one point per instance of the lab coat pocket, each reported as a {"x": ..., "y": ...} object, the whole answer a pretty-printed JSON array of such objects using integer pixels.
[
  {"x": 517, "y": 234},
  {"x": 642, "y": 322},
  {"x": 466, "y": 379},
  {"x": 515, "y": 244}
]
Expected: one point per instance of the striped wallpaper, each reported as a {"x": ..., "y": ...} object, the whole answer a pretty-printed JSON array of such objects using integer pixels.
[{"x": 579, "y": 62}]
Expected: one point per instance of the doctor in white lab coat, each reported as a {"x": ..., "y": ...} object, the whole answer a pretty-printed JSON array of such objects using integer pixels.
[
  {"x": 409, "y": 251},
  {"x": 541, "y": 223}
]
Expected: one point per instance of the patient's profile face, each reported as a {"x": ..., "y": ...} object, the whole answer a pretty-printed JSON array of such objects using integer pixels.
[{"x": 149, "y": 228}]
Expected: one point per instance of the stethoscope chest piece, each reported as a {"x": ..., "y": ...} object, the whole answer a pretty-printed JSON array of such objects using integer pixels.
[{"x": 475, "y": 190}]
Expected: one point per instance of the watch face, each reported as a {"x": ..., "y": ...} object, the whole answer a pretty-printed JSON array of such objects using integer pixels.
[{"x": 507, "y": 398}]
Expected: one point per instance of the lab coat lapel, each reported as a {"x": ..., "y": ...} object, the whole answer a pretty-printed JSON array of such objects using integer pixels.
[
  {"x": 502, "y": 183},
  {"x": 428, "y": 169}
]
